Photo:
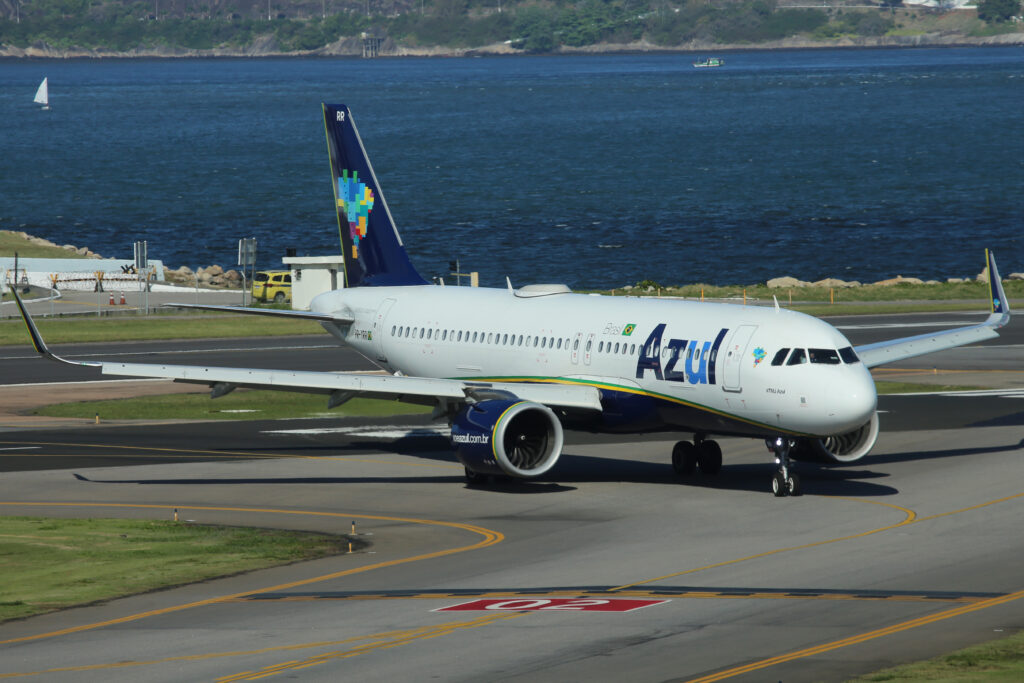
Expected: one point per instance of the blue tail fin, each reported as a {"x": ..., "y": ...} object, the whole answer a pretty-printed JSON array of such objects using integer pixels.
[{"x": 373, "y": 250}]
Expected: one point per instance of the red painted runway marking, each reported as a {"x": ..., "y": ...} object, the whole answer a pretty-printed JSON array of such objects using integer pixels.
[{"x": 551, "y": 605}]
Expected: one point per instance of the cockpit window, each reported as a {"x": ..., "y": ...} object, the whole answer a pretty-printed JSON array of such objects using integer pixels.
[
  {"x": 797, "y": 357},
  {"x": 780, "y": 357},
  {"x": 848, "y": 355},
  {"x": 824, "y": 356}
]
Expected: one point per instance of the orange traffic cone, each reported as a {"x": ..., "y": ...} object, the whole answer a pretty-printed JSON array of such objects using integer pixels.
[
  {"x": 122, "y": 299},
  {"x": 111, "y": 298}
]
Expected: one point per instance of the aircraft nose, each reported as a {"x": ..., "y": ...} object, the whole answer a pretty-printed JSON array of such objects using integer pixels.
[{"x": 854, "y": 400}]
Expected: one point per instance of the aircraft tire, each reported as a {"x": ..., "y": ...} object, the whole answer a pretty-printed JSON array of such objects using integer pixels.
[
  {"x": 709, "y": 458},
  {"x": 475, "y": 478},
  {"x": 684, "y": 458},
  {"x": 779, "y": 487},
  {"x": 793, "y": 485}
]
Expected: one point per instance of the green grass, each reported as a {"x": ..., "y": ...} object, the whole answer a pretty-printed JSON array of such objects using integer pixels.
[
  {"x": 12, "y": 331},
  {"x": 10, "y": 243},
  {"x": 995, "y": 662},
  {"x": 51, "y": 564},
  {"x": 885, "y": 387},
  {"x": 259, "y": 405},
  {"x": 946, "y": 291}
]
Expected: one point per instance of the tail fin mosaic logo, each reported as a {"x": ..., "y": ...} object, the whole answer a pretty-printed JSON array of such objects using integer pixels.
[{"x": 355, "y": 200}]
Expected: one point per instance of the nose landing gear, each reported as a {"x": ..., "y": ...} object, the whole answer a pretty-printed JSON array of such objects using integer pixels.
[{"x": 785, "y": 482}]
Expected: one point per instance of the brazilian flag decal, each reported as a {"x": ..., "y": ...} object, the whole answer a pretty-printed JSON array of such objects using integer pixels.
[{"x": 628, "y": 329}]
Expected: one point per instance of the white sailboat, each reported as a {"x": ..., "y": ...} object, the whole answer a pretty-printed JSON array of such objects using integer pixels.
[{"x": 43, "y": 94}]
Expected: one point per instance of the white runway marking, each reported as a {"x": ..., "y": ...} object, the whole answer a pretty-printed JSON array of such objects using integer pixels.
[
  {"x": 372, "y": 432},
  {"x": 1003, "y": 393},
  {"x": 21, "y": 448}
]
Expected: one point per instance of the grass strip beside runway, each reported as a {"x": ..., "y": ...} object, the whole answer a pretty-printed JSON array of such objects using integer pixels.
[
  {"x": 999, "y": 660},
  {"x": 239, "y": 405},
  {"x": 192, "y": 326},
  {"x": 885, "y": 387},
  {"x": 51, "y": 564}
]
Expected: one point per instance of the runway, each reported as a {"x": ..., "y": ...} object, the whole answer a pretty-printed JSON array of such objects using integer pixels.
[{"x": 911, "y": 552}]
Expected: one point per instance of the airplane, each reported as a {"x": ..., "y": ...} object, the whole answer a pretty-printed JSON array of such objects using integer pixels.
[{"x": 511, "y": 368}]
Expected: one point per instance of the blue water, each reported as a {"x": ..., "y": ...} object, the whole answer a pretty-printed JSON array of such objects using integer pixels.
[{"x": 596, "y": 171}]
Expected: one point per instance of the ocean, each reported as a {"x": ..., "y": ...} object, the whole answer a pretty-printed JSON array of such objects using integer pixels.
[{"x": 596, "y": 171}]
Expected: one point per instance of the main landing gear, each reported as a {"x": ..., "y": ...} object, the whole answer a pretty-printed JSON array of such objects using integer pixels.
[
  {"x": 702, "y": 453},
  {"x": 785, "y": 482}
]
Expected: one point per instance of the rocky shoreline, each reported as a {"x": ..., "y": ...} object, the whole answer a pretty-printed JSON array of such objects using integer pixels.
[
  {"x": 216, "y": 276},
  {"x": 266, "y": 46},
  {"x": 210, "y": 276}
]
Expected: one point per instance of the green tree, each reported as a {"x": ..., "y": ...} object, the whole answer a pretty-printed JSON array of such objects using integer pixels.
[{"x": 994, "y": 11}]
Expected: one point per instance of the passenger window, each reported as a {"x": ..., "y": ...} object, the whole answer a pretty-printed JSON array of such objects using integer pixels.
[
  {"x": 576, "y": 345},
  {"x": 848, "y": 355},
  {"x": 780, "y": 356},
  {"x": 490, "y": 337},
  {"x": 589, "y": 344},
  {"x": 824, "y": 356},
  {"x": 422, "y": 331},
  {"x": 444, "y": 335},
  {"x": 799, "y": 356},
  {"x": 460, "y": 336},
  {"x": 504, "y": 340},
  {"x": 600, "y": 347},
  {"x": 543, "y": 342},
  {"x": 632, "y": 349},
  {"x": 536, "y": 341},
  {"x": 559, "y": 343},
  {"x": 428, "y": 333},
  {"x": 474, "y": 337},
  {"x": 392, "y": 330}
]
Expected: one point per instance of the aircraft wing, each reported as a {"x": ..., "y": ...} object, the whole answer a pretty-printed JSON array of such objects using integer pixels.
[
  {"x": 881, "y": 353},
  {"x": 297, "y": 315},
  {"x": 338, "y": 386}
]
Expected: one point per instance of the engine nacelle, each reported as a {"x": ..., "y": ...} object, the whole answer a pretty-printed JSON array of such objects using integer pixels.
[
  {"x": 516, "y": 438},
  {"x": 840, "y": 448}
]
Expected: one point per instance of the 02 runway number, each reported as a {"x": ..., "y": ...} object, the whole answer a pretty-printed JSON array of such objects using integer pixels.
[{"x": 551, "y": 604}]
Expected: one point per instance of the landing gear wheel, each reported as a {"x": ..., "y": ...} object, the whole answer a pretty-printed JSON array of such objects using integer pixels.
[
  {"x": 475, "y": 478},
  {"x": 684, "y": 458},
  {"x": 709, "y": 457},
  {"x": 779, "y": 487},
  {"x": 793, "y": 485}
]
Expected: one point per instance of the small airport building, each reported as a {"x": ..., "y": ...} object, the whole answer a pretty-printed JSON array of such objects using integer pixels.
[{"x": 312, "y": 275}]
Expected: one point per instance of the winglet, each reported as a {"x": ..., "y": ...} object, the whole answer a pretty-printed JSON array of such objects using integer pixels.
[
  {"x": 37, "y": 339},
  {"x": 997, "y": 297}
]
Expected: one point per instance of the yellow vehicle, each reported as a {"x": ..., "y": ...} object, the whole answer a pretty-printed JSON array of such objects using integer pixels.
[{"x": 272, "y": 285}]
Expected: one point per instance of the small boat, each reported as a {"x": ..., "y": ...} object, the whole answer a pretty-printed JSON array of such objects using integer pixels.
[
  {"x": 709, "y": 62},
  {"x": 43, "y": 94}
]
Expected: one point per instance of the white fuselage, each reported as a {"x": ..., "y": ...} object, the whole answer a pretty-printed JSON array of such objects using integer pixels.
[{"x": 659, "y": 363}]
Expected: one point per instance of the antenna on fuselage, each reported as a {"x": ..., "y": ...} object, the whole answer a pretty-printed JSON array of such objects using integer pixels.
[
  {"x": 776, "y": 299},
  {"x": 508, "y": 281}
]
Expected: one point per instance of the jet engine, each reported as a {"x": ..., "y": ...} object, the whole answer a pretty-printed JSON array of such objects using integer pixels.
[
  {"x": 515, "y": 438},
  {"x": 839, "y": 448}
]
